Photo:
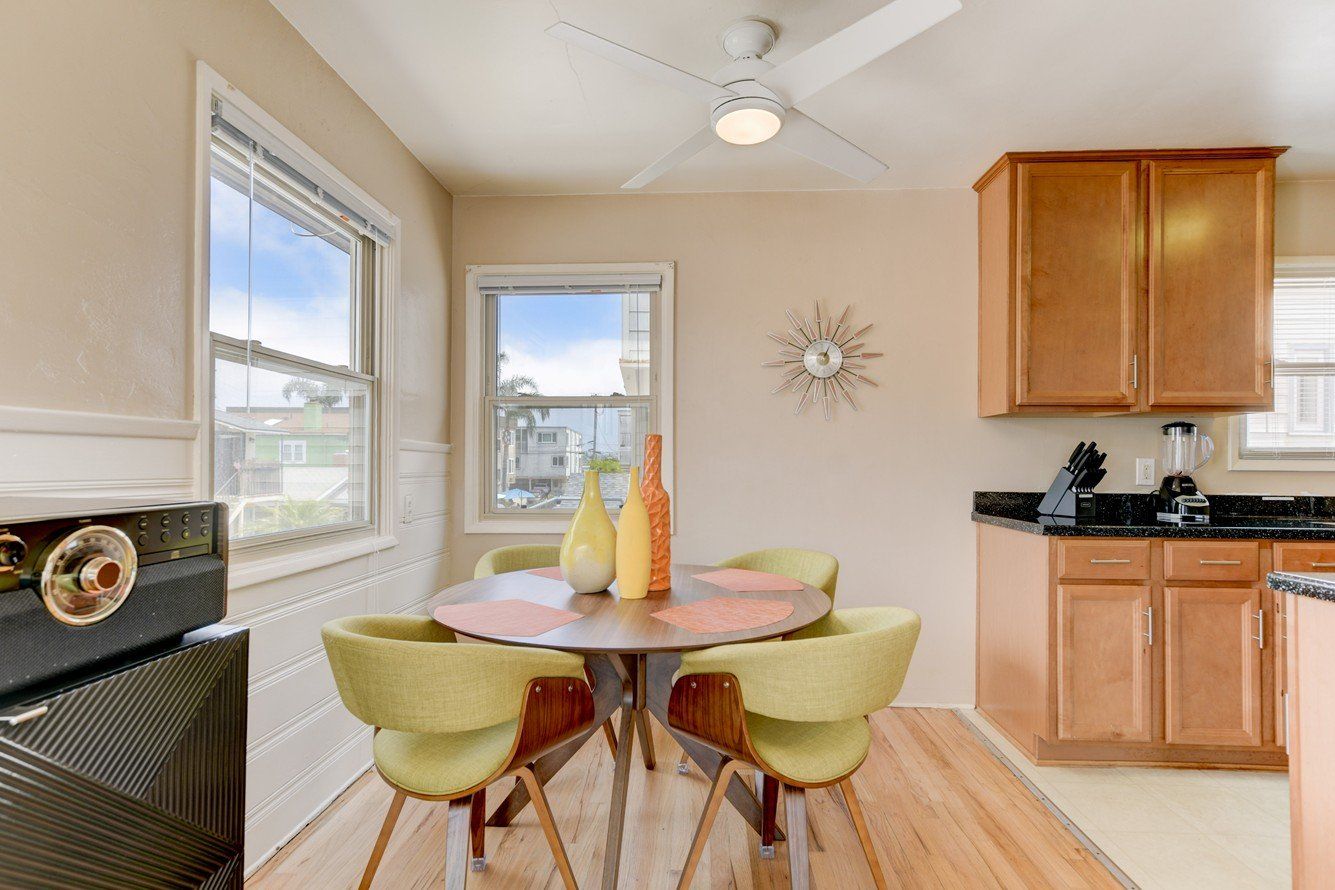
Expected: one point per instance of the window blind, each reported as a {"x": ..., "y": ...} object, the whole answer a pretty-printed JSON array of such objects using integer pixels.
[
  {"x": 234, "y": 125},
  {"x": 1302, "y": 426},
  {"x": 584, "y": 284}
]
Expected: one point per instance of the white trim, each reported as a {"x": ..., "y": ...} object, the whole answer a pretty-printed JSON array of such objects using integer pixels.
[
  {"x": 474, "y": 360},
  {"x": 209, "y": 82},
  {"x": 251, "y": 572},
  {"x": 430, "y": 447},
  {"x": 17, "y": 419}
]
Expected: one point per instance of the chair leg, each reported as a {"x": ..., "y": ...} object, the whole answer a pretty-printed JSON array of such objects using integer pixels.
[
  {"x": 610, "y": 733},
  {"x": 717, "y": 791},
  {"x": 860, "y": 823},
  {"x": 799, "y": 863},
  {"x": 544, "y": 811},
  {"x": 457, "y": 842},
  {"x": 684, "y": 762},
  {"x": 381, "y": 842},
  {"x": 477, "y": 823},
  {"x": 767, "y": 789}
]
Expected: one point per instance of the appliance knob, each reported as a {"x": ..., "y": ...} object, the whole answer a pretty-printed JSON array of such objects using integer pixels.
[
  {"x": 12, "y": 551},
  {"x": 166, "y": 536},
  {"x": 143, "y": 540},
  {"x": 99, "y": 574},
  {"x": 166, "y": 520}
]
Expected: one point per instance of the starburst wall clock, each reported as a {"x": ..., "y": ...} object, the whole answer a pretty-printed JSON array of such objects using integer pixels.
[{"x": 821, "y": 360}]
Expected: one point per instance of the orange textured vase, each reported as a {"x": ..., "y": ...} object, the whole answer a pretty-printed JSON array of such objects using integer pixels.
[{"x": 660, "y": 515}]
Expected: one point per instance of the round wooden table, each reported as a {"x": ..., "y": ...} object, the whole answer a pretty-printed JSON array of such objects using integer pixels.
[{"x": 618, "y": 638}]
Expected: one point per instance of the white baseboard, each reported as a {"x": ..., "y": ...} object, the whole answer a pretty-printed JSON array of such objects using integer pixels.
[{"x": 944, "y": 706}]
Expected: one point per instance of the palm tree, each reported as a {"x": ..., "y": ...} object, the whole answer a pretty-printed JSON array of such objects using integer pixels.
[
  {"x": 514, "y": 416},
  {"x": 290, "y": 514},
  {"x": 311, "y": 391}
]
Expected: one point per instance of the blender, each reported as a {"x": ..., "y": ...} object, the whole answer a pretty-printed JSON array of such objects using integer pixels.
[{"x": 1184, "y": 452}]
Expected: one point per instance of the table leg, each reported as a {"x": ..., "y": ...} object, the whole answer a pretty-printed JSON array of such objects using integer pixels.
[
  {"x": 659, "y": 690},
  {"x": 606, "y": 699},
  {"x": 628, "y": 667}
]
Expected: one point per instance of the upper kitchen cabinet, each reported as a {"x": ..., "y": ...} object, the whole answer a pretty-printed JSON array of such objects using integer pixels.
[{"x": 1114, "y": 282}]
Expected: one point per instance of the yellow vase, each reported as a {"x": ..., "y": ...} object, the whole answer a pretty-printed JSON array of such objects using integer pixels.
[
  {"x": 633, "y": 550},
  {"x": 589, "y": 549}
]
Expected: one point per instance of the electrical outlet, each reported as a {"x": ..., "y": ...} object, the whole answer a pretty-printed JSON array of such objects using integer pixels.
[
  {"x": 407, "y": 508},
  {"x": 1144, "y": 471}
]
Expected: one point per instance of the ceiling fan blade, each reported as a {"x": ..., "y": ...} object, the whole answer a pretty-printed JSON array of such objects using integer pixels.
[
  {"x": 698, "y": 142},
  {"x": 804, "y": 136},
  {"x": 641, "y": 64},
  {"x": 841, "y": 54}
]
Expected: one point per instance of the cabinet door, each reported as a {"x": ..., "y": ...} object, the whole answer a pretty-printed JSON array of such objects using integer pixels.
[
  {"x": 1211, "y": 270},
  {"x": 1212, "y": 666},
  {"x": 1103, "y": 663},
  {"x": 1078, "y": 283}
]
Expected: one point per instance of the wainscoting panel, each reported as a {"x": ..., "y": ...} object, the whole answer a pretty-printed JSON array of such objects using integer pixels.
[{"x": 303, "y": 746}]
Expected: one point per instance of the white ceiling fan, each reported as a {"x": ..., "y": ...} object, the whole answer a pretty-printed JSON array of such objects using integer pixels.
[{"x": 751, "y": 100}]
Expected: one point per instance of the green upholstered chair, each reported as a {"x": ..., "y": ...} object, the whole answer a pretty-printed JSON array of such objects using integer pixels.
[
  {"x": 517, "y": 558},
  {"x": 521, "y": 558},
  {"x": 808, "y": 566},
  {"x": 451, "y": 718},
  {"x": 796, "y": 711}
]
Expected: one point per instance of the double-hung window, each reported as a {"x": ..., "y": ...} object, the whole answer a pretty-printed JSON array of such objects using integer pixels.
[
  {"x": 292, "y": 307},
  {"x": 569, "y": 367},
  {"x": 1300, "y": 433}
]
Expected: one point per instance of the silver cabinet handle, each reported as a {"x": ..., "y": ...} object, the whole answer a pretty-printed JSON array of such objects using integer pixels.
[
  {"x": 1135, "y": 372},
  {"x": 1149, "y": 624},
  {"x": 25, "y": 716},
  {"x": 1287, "y": 734},
  {"x": 1221, "y": 562},
  {"x": 1323, "y": 565},
  {"x": 1110, "y": 562},
  {"x": 1260, "y": 629}
]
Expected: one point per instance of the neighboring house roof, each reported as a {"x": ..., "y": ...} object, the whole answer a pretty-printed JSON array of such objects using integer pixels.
[
  {"x": 244, "y": 422},
  {"x": 612, "y": 486}
]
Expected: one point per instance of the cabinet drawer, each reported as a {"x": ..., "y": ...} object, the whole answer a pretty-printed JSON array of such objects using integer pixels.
[
  {"x": 1314, "y": 557},
  {"x": 1104, "y": 560},
  {"x": 1211, "y": 560}
]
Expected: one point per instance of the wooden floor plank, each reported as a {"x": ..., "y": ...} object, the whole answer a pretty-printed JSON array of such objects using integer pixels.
[{"x": 943, "y": 811}]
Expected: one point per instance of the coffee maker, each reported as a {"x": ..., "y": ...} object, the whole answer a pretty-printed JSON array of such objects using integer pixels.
[{"x": 1184, "y": 452}]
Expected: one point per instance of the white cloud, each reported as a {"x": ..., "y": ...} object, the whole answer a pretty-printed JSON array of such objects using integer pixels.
[{"x": 579, "y": 368}]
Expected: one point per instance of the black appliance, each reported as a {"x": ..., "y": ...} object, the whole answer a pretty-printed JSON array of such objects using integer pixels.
[
  {"x": 1184, "y": 452},
  {"x": 122, "y": 702}
]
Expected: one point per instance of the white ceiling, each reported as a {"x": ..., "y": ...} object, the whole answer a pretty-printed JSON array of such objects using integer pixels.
[{"x": 492, "y": 105}]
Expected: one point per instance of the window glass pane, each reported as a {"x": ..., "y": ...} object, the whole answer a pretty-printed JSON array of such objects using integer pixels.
[
  {"x": 278, "y": 272},
  {"x": 572, "y": 344},
  {"x": 540, "y": 453},
  {"x": 290, "y": 447},
  {"x": 1303, "y": 422}
]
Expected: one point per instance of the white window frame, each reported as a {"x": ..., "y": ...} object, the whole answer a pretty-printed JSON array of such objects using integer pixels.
[
  {"x": 1236, "y": 433},
  {"x": 270, "y": 556},
  {"x": 476, "y": 520},
  {"x": 297, "y": 445},
  {"x": 546, "y": 441}
]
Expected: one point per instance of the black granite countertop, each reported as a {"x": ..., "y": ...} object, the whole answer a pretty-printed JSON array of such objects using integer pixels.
[
  {"x": 1297, "y": 518},
  {"x": 1316, "y": 584}
]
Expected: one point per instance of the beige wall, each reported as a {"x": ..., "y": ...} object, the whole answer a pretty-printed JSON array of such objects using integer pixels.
[
  {"x": 97, "y": 171},
  {"x": 887, "y": 490}
]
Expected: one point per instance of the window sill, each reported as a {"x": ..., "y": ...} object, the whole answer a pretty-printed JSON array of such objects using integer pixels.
[
  {"x": 1281, "y": 465},
  {"x": 259, "y": 566},
  {"x": 556, "y": 525}
]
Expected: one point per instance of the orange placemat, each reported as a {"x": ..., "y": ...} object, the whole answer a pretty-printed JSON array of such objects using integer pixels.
[
  {"x": 503, "y": 618},
  {"x": 553, "y": 572},
  {"x": 721, "y": 614},
  {"x": 742, "y": 580}
]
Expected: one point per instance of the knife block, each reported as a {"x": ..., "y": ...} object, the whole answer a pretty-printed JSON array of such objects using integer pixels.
[{"x": 1063, "y": 500}]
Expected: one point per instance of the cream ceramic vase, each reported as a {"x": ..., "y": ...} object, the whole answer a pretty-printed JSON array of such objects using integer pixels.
[
  {"x": 633, "y": 550},
  {"x": 589, "y": 549}
]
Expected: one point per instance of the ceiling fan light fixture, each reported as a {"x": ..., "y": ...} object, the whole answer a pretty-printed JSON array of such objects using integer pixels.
[{"x": 747, "y": 120}]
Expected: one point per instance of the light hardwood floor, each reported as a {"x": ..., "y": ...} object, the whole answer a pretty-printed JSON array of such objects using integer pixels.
[{"x": 944, "y": 813}]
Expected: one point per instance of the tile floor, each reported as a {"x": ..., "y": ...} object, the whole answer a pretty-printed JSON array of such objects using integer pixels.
[{"x": 1172, "y": 829}]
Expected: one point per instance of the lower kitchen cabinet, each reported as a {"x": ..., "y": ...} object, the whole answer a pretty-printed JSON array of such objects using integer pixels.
[
  {"x": 1212, "y": 665},
  {"x": 1103, "y": 663},
  {"x": 1150, "y": 651}
]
